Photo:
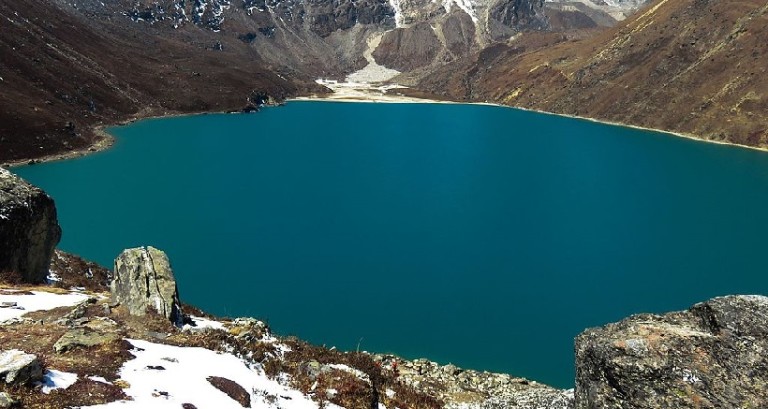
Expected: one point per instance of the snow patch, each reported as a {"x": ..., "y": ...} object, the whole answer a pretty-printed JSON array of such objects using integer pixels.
[
  {"x": 52, "y": 277},
  {"x": 184, "y": 380},
  {"x": 203, "y": 323},
  {"x": 358, "y": 373},
  {"x": 37, "y": 301},
  {"x": 53, "y": 379},
  {"x": 395, "y": 4},
  {"x": 100, "y": 379},
  {"x": 465, "y": 5}
]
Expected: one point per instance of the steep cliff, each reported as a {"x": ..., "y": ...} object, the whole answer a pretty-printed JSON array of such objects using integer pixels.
[{"x": 29, "y": 230}]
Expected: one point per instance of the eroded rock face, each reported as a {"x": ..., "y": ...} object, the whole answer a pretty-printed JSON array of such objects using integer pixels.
[
  {"x": 712, "y": 356},
  {"x": 144, "y": 280},
  {"x": 29, "y": 229},
  {"x": 18, "y": 367}
]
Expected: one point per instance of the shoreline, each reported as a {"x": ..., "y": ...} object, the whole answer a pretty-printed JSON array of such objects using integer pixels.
[
  {"x": 403, "y": 99},
  {"x": 345, "y": 94}
]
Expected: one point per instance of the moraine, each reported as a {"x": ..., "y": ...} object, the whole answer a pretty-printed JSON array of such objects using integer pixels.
[{"x": 483, "y": 236}]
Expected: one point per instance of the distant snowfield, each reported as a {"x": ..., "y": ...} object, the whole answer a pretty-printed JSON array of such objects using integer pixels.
[
  {"x": 37, "y": 301},
  {"x": 184, "y": 380}
]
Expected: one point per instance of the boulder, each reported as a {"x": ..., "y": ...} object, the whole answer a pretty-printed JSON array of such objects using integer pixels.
[
  {"x": 82, "y": 338},
  {"x": 232, "y": 389},
  {"x": 715, "y": 355},
  {"x": 143, "y": 279},
  {"x": 29, "y": 229},
  {"x": 18, "y": 367}
]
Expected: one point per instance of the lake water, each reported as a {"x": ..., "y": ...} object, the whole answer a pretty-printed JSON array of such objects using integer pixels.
[{"x": 482, "y": 236}]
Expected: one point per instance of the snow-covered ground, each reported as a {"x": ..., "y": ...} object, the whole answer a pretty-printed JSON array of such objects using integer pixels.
[
  {"x": 54, "y": 379},
  {"x": 184, "y": 380},
  {"x": 37, "y": 301}
]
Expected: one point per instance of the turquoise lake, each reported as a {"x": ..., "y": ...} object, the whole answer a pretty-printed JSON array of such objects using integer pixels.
[{"x": 483, "y": 236}]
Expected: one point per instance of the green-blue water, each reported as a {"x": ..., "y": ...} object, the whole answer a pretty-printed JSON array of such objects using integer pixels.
[{"x": 483, "y": 236}]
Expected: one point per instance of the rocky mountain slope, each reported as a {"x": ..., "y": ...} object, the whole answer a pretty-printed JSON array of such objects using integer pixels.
[
  {"x": 67, "y": 66},
  {"x": 689, "y": 66},
  {"x": 73, "y": 342}
]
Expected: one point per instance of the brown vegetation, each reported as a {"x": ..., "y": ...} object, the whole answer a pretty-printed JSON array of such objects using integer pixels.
[{"x": 689, "y": 66}]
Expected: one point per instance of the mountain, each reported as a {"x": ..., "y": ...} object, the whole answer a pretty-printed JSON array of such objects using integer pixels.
[
  {"x": 690, "y": 66},
  {"x": 68, "y": 66}
]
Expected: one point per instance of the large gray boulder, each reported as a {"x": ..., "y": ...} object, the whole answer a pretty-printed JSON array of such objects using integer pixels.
[
  {"x": 29, "y": 229},
  {"x": 18, "y": 367},
  {"x": 144, "y": 281},
  {"x": 715, "y": 355}
]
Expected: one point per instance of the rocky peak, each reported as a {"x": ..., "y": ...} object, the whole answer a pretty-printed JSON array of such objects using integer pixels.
[{"x": 29, "y": 229}]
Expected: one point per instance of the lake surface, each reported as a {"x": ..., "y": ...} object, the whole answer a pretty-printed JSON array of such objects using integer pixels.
[{"x": 483, "y": 236}]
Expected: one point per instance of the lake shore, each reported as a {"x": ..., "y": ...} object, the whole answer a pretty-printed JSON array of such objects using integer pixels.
[
  {"x": 344, "y": 92},
  {"x": 359, "y": 92}
]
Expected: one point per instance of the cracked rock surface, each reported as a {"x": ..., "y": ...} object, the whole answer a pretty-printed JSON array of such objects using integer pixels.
[{"x": 144, "y": 282}]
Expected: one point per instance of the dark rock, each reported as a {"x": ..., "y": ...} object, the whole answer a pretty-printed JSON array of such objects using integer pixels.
[
  {"x": 232, "y": 389},
  {"x": 268, "y": 32},
  {"x": 247, "y": 37},
  {"x": 82, "y": 338},
  {"x": 29, "y": 229},
  {"x": 18, "y": 367},
  {"x": 521, "y": 14},
  {"x": 144, "y": 280},
  {"x": 711, "y": 356}
]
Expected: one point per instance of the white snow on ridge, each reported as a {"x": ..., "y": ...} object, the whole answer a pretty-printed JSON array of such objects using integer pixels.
[
  {"x": 465, "y": 5},
  {"x": 37, "y": 301},
  {"x": 184, "y": 380},
  {"x": 398, "y": 12}
]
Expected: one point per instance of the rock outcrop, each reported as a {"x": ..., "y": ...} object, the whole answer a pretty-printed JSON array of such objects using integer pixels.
[
  {"x": 82, "y": 338},
  {"x": 144, "y": 281},
  {"x": 18, "y": 367},
  {"x": 712, "y": 356},
  {"x": 29, "y": 229},
  {"x": 458, "y": 387}
]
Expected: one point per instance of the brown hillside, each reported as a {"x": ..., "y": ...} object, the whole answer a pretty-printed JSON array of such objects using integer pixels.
[
  {"x": 690, "y": 66},
  {"x": 63, "y": 70}
]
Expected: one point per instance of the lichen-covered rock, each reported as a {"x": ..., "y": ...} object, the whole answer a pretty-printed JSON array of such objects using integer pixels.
[
  {"x": 29, "y": 229},
  {"x": 469, "y": 389},
  {"x": 144, "y": 280},
  {"x": 82, "y": 338},
  {"x": 18, "y": 367},
  {"x": 715, "y": 355}
]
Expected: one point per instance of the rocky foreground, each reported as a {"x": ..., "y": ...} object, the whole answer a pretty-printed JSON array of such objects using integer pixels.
[{"x": 91, "y": 337}]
